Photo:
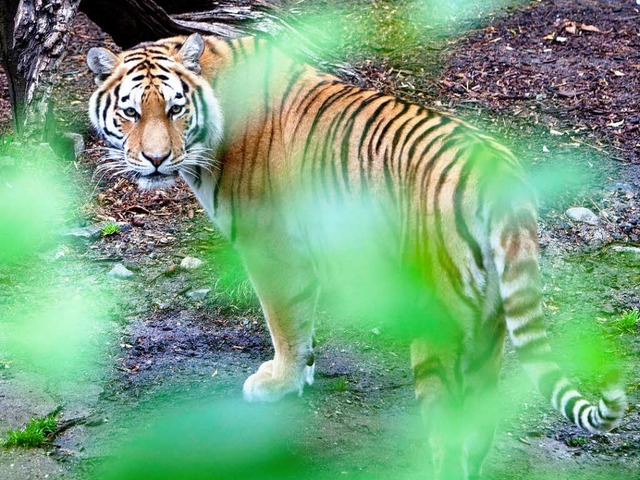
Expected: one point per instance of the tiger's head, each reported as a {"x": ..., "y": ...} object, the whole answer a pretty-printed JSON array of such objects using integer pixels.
[{"x": 158, "y": 114}]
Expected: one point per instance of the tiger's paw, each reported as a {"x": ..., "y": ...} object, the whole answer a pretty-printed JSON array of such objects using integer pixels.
[{"x": 263, "y": 386}]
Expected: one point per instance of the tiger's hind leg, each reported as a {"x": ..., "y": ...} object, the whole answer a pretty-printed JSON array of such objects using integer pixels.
[
  {"x": 288, "y": 293},
  {"x": 456, "y": 385},
  {"x": 480, "y": 370},
  {"x": 438, "y": 391}
]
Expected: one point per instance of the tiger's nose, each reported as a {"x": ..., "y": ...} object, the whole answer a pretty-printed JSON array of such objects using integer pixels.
[{"x": 156, "y": 159}]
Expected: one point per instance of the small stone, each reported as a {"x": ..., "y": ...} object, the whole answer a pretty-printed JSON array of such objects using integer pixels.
[
  {"x": 120, "y": 271},
  {"x": 190, "y": 263},
  {"x": 608, "y": 309},
  {"x": 61, "y": 252},
  {"x": 199, "y": 294},
  {"x": 137, "y": 221},
  {"x": 582, "y": 215}
]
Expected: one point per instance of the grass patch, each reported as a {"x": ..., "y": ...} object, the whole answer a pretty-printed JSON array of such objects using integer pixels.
[
  {"x": 626, "y": 322},
  {"x": 576, "y": 441},
  {"x": 339, "y": 385},
  {"x": 34, "y": 434},
  {"x": 233, "y": 293},
  {"x": 110, "y": 229},
  {"x": 6, "y": 144}
]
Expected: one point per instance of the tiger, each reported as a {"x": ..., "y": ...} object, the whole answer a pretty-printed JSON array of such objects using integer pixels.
[{"x": 277, "y": 151}]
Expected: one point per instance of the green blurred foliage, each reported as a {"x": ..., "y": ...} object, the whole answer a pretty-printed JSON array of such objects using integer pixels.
[
  {"x": 49, "y": 313},
  {"x": 224, "y": 440},
  {"x": 31, "y": 206},
  {"x": 391, "y": 29}
]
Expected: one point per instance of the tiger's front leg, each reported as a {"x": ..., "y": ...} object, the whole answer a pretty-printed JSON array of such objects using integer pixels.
[{"x": 288, "y": 292}]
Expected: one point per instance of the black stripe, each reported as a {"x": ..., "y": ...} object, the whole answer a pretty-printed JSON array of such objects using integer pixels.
[
  {"x": 514, "y": 270},
  {"x": 523, "y": 306},
  {"x": 371, "y": 119},
  {"x": 105, "y": 110},
  {"x": 461, "y": 225},
  {"x": 611, "y": 404},
  {"x": 534, "y": 325},
  {"x": 432, "y": 366},
  {"x": 445, "y": 259},
  {"x": 563, "y": 391},
  {"x": 578, "y": 419},
  {"x": 388, "y": 125},
  {"x": 307, "y": 292},
  {"x": 568, "y": 409},
  {"x": 530, "y": 351},
  {"x": 326, "y": 103},
  {"x": 198, "y": 176},
  {"x": 289, "y": 88},
  {"x": 522, "y": 301},
  {"x": 346, "y": 137},
  {"x": 395, "y": 154},
  {"x": 216, "y": 187},
  {"x": 154, "y": 50}
]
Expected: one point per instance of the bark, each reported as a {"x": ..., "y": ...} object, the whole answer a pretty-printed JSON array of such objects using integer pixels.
[
  {"x": 130, "y": 22},
  {"x": 34, "y": 37}
]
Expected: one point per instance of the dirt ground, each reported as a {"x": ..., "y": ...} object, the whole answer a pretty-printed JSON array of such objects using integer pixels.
[{"x": 557, "y": 81}]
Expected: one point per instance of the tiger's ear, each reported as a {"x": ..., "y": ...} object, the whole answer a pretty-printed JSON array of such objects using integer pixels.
[
  {"x": 191, "y": 51},
  {"x": 101, "y": 62}
]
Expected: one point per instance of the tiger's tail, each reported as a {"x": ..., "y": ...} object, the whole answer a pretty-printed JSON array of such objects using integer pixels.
[{"x": 515, "y": 252}]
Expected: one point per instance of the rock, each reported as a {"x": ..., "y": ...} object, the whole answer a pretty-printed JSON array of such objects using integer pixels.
[
  {"x": 77, "y": 141},
  {"x": 86, "y": 234},
  {"x": 626, "y": 249},
  {"x": 621, "y": 186},
  {"x": 120, "y": 271},
  {"x": 199, "y": 294},
  {"x": 582, "y": 215},
  {"x": 191, "y": 263},
  {"x": 608, "y": 309},
  {"x": 124, "y": 226}
]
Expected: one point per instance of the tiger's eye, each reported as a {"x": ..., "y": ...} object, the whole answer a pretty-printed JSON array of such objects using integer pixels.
[
  {"x": 130, "y": 112},
  {"x": 175, "y": 109}
]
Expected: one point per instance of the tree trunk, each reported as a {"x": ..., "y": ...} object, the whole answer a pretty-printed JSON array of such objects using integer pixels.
[{"x": 34, "y": 36}]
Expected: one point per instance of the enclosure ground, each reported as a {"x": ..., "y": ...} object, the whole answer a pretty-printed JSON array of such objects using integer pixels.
[{"x": 555, "y": 80}]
